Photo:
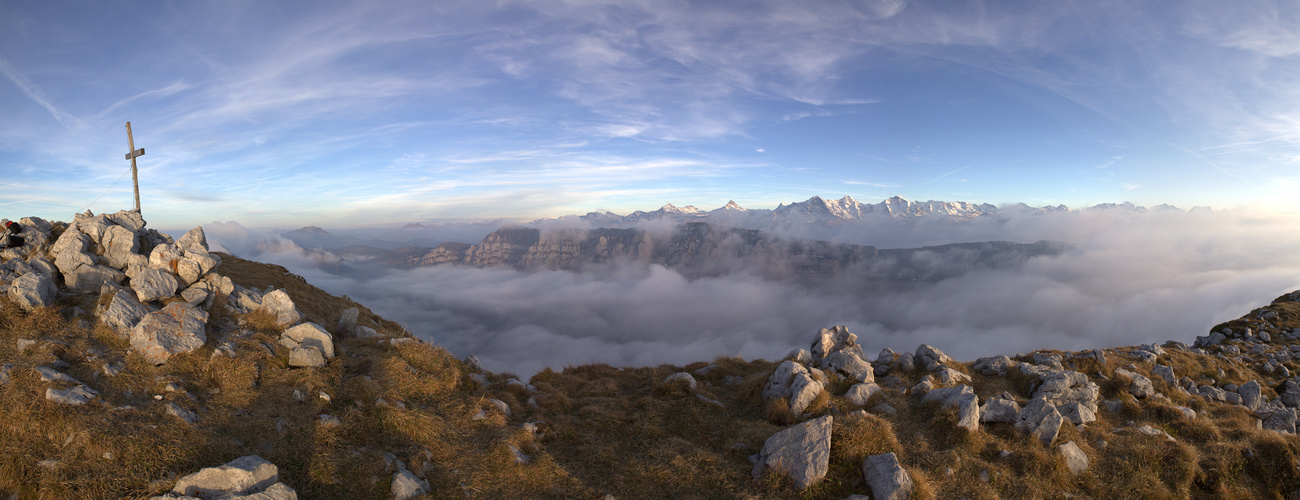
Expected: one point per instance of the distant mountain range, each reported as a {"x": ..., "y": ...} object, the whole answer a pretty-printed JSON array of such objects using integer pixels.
[{"x": 818, "y": 210}]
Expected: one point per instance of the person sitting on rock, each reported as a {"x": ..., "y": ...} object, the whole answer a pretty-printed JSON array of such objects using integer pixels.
[{"x": 12, "y": 234}]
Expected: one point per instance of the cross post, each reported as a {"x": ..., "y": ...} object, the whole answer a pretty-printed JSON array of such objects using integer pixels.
[{"x": 135, "y": 175}]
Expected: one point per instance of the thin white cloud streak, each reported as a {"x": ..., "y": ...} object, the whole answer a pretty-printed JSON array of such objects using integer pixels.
[
  {"x": 1125, "y": 280},
  {"x": 34, "y": 93}
]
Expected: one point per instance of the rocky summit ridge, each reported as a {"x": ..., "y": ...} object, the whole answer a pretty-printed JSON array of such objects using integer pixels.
[{"x": 137, "y": 365}]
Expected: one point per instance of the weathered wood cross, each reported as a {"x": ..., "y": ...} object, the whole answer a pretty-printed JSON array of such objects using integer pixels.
[{"x": 135, "y": 176}]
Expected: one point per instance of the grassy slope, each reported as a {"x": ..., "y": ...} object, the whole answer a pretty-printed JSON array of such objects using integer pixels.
[{"x": 608, "y": 430}]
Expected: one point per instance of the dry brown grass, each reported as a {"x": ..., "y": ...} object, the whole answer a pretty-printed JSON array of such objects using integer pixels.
[{"x": 318, "y": 306}]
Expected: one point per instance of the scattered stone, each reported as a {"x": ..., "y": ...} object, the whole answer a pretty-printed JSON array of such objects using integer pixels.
[
  {"x": 994, "y": 365},
  {"x": 76, "y": 396},
  {"x": 930, "y": 358},
  {"x": 406, "y": 486},
  {"x": 24, "y": 344},
  {"x": 123, "y": 312},
  {"x": 1139, "y": 385},
  {"x": 348, "y": 323},
  {"x": 326, "y": 420},
  {"x": 1152, "y": 431},
  {"x": 175, "y": 329},
  {"x": 249, "y": 477},
  {"x": 154, "y": 284},
  {"x": 1075, "y": 459},
  {"x": 999, "y": 410},
  {"x": 884, "y": 408},
  {"x": 799, "y": 355},
  {"x": 32, "y": 291},
  {"x": 1251, "y": 395},
  {"x": 945, "y": 375},
  {"x": 860, "y": 394},
  {"x": 801, "y": 452},
  {"x": 886, "y": 477},
  {"x": 279, "y": 304},
  {"x": 682, "y": 377},
  {"x": 1041, "y": 420},
  {"x": 176, "y": 411},
  {"x": 963, "y": 398},
  {"x": 1078, "y": 413}
]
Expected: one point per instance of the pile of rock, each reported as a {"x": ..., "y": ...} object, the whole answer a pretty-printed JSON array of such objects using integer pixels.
[{"x": 802, "y": 377}]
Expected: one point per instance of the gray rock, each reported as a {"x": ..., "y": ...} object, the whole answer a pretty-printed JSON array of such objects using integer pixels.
[
  {"x": 348, "y": 320},
  {"x": 994, "y": 365},
  {"x": 33, "y": 290},
  {"x": 240, "y": 477},
  {"x": 406, "y": 486},
  {"x": 76, "y": 396},
  {"x": 884, "y": 408},
  {"x": 311, "y": 335},
  {"x": 830, "y": 341},
  {"x": 1291, "y": 394},
  {"x": 1078, "y": 413},
  {"x": 799, "y": 355},
  {"x": 48, "y": 374},
  {"x": 6, "y": 374},
  {"x": 177, "y": 411},
  {"x": 1050, "y": 360},
  {"x": 682, "y": 377},
  {"x": 1062, "y": 387},
  {"x": 1041, "y": 420},
  {"x": 946, "y": 375},
  {"x": 999, "y": 410},
  {"x": 1251, "y": 395},
  {"x": 119, "y": 244},
  {"x": 154, "y": 284},
  {"x": 802, "y": 452},
  {"x": 1283, "y": 420},
  {"x": 930, "y": 357},
  {"x": 177, "y": 328},
  {"x": 963, "y": 398},
  {"x": 778, "y": 384},
  {"x": 123, "y": 313},
  {"x": 803, "y": 390},
  {"x": 886, "y": 477},
  {"x": 279, "y": 304},
  {"x": 1166, "y": 373},
  {"x": 306, "y": 356},
  {"x": 1152, "y": 431},
  {"x": 195, "y": 295},
  {"x": 906, "y": 362},
  {"x": 851, "y": 364},
  {"x": 1075, "y": 459},
  {"x": 860, "y": 394},
  {"x": 1139, "y": 385},
  {"x": 886, "y": 357}
]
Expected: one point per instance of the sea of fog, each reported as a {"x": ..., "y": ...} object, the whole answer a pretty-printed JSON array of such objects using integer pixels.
[{"x": 1125, "y": 279}]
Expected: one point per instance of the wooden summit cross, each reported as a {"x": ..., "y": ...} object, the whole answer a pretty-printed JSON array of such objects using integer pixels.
[{"x": 135, "y": 176}]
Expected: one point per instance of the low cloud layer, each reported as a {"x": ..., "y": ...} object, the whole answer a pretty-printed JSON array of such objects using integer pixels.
[{"x": 1124, "y": 280}]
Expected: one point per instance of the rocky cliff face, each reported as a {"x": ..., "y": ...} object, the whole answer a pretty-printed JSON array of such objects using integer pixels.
[{"x": 699, "y": 249}]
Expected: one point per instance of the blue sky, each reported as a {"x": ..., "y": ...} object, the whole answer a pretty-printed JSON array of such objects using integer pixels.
[{"x": 345, "y": 113}]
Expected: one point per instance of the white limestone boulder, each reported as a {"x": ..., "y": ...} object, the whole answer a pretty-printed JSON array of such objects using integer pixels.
[
  {"x": 1075, "y": 459},
  {"x": 175, "y": 329},
  {"x": 886, "y": 477},
  {"x": 154, "y": 284},
  {"x": 244, "y": 477},
  {"x": 1041, "y": 420},
  {"x": 801, "y": 452},
  {"x": 279, "y": 304},
  {"x": 32, "y": 291},
  {"x": 123, "y": 312},
  {"x": 860, "y": 394}
]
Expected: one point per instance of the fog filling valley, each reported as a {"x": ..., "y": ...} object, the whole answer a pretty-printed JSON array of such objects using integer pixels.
[{"x": 1124, "y": 279}]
